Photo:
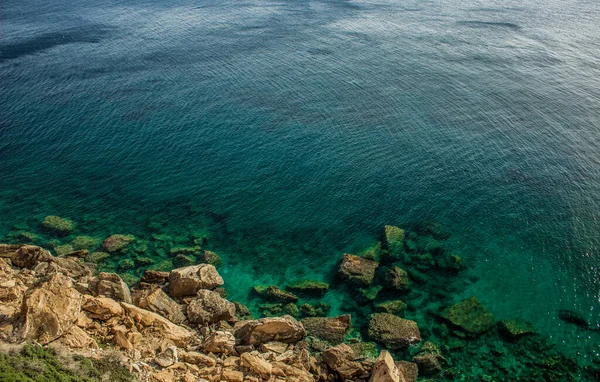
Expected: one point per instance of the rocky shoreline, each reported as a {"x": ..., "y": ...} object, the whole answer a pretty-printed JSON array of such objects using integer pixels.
[{"x": 178, "y": 325}]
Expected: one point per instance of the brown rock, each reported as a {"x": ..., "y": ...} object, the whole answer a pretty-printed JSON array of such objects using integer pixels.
[
  {"x": 28, "y": 256},
  {"x": 232, "y": 375},
  {"x": 102, "y": 308},
  {"x": 385, "y": 370},
  {"x": 158, "y": 324},
  {"x": 274, "y": 347},
  {"x": 340, "y": 359},
  {"x": 284, "y": 329},
  {"x": 188, "y": 281},
  {"x": 76, "y": 338},
  {"x": 13, "y": 285},
  {"x": 157, "y": 301},
  {"x": 219, "y": 342},
  {"x": 209, "y": 308},
  {"x": 155, "y": 277},
  {"x": 196, "y": 358},
  {"x": 396, "y": 278},
  {"x": 68, "y": 266},
  {"x": 392, "y": 331},
  {"x": 256, "y": 365},
  {"x": 115, "y": 243},
  {"x": 409, "y": 370},
  {"x": 50, "y": 310},
  {"x": 358, "y": 270},
  {"x": 7, "y": 251},
  {"x": 110, "y": 285},
  {"x": 167, "y": 357},
  {"x": 330, "y": 329}
]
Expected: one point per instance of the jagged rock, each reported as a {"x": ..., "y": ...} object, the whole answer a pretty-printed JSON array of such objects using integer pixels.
[
  {"x": 76, "y": 338},
  {"x": 513, "y": 329},
  {"x": 219, "y": 342},
  {"x": 396, "y": 278},
  {"x": 409, "y": 370},
  {"x": 157, "y": 301},
  {"x": 429, "y": 359},
  {"x": 393, "y": 239},
  {"x": 110, "y": 285},
  {"x": 57, "y": 225},
  {"x": 470, "y": 316},
  {"x": 28, "y": 256},
  {"x": 158, "y": 324},
  {"x": 396, "y": 307},
  {"x": 155, "y": 277},
  {"x": 167, "y": 357},
  {"x": 309, "y": 287},
  {"x": 274, "y": 346},
  {"x": 256, "y": 365},
  {"x": 284, "y": 329},
  {"x": 392, "y": 331},
  {"x": 357, "y": 269},
  {"x": 13, "y": 285},
  {"x": 68, "y": 266},
  {"x": 330, "y": 329},
  {"x": 102, "y": 308},
  {"x": 340, "y": 359},
  {"x": 50, "y": 310},
  {"x": 116, "y": 243},
  {"x": 188, "y": 281},
  {"x": 274, "y": 293},
  {"x": 209, "y": 308},
  {"x": 385, "y": 370}
]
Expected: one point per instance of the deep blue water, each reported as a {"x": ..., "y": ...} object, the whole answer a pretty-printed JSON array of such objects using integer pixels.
[{"x": 295, "y": 130}]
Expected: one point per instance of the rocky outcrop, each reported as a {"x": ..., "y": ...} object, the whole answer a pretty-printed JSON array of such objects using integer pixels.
[
  {"x": 392, "y": 331},
  {"x": 470, "y": 316},
  {"x": 158, "y": 301},
  {"x": 330, "y": 329},
  {"x": 110, "y": 285},
  {"x": 255, "y": 332},
  {"x": 187, "y": 281},
  {"x": 209, "y": 307},
  {"x": 385, "y": 370},
  {"x": 341, "y": 360},
  {"x": 357, "y": 270},
  {"x": 29, "y": 256}
]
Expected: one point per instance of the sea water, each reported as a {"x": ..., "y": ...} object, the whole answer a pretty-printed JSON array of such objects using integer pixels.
[{"x": 291, "y": 132}]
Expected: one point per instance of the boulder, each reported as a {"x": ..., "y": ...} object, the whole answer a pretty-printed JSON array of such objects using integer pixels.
[
  {"x": 429, "y": 359},
  {"x": 28, "y": 256},
  {"x": 256, "y": 365},
  {"x": 357, "y": 270},
  {"x": 396, "y": 278},
  {"x": 393, "y": 239},
  {"x": 155, "y": 277},
  {"x": 392, "y": 331},
  {"x": 340, "y": 359},
  {"x": 85, "y": 242},
  {"x": 159, "y": 302},
  {"x": 7, "y": 251},
  {"x": 158, "y": 325},
  {"x": 77, "y": 338},
  {"x": 57, "y": 225},
  {"x": 283, "y": 329},
  {"x": 50, "y": 310},
  {"x": 385, "y": 370},
  {"x": 330, "y": 329},
  {"x": 274, "y": 293},
  {"x": 68, "y": 266},
  {"x": 309, "y": 287},
  {"x": 116, "y": 243},
  {"x": 102, "y": 308},
  {"x": 110, "y": 285},
  {"x": 219, "y": 342},
  {"x": 199, "y": 359},
  {"x": 209, "y": 308},
  {"x": 188, "y": 281},
  {"x": 211, "y": 258},
  {"x": 513, "y": 329},
  {"x": 470, "y": 316},
  {"x": 409, "y": 370}
]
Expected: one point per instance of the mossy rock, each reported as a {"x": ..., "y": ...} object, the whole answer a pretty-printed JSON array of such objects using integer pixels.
[
  {"x": 211, "y": 258},
  {"x": 292, "y": 310},
  {"x": 393, "y": 239},
  {"x": 369, "y": 294},
  {"x": 186, "y": 251},
  {"x": 242, "y": 311},
  {"x": 57, "y": 225},
  {"x": 117, "y": 243},
  {"x": 308, "y": 310},
  {"x": 365, "y": 350},
  {"x": 470, "y": 316},
  {"x": 271, "y": 310},
  {"x": 64, "y": 249},
  {"x": 357, "y": 270},
  {"x": 396, "y": 307},
  {"x": 96, "y": 257},
  {"x": 27, "y": 237},
  {"x": 430, "y": 359},
  {"x": 182, "y": 260},
  {"x": 126, "y": 265},
  {"x": 163, "y": 266},
  {"x": 274, "y": 293},
  {"x": 513, "y": 329},
  {"x": 433, "y": 229},
  {"x": 392, "y": 331},
  {"x": 451, "y": 262},
  {"x": 309, "y": 287},
  {"x": 396, "y": 278},
  {"x": 143, "y": 262},
  {"x": 140, "y": 248},
  {"x": 86, "y": 242},
  {"x": 373, "y": 252}
]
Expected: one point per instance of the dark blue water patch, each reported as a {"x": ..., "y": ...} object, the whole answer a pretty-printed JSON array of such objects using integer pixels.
[
  {"x": 47, "y": 41},
  {"x": 489, "y": 24}
]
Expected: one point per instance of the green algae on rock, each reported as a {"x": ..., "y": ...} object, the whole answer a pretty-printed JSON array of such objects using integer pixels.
[
  {"x": 309, "y": 287},
  {"x": 469, "y": 315},
  {"x": 86, "y": 242},
  {"x": 393, "y": 239},
  {"x": 357, "y": 270},
  {"x": 392, "y": 331},
  {"x": 513, "y": 329},
  {"x": 396, "y": 278},
  {"x": 396, "y": 307},
  {"x": 330, "y": 329},
  {"x": 57, "y": 225},
  {"x": 116, "y": 243},
  {"x": 274, "y": 293},
  {"x": 96, "y": 257},
  {"x": 430, "y": 359}
]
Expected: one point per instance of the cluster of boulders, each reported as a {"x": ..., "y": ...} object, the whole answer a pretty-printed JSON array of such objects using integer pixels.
[{"x": 177, "y": 326}]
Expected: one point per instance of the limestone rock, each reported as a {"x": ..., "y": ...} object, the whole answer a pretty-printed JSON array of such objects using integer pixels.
[
  {"x": 157, "y": 301},
  {"x": 102, "y": 308},
  {"x": 68, "y": 266},
  {"x": 396, "y": 278},
  {"x": 50, "y": 310},
  {"x": 256, "y": 365},
  {"x": 57, "y": 225},
  {"x": 385, "y": 370},
  {"x": 470, "y": 316},
  {"x": 13, "y": 285},
  {"x": 274, "y": 293},
  {"x": 284, "y": 329},
  {"x": 357, "y": 269},
  {"x": 196, "y": 358},
  {"x": 392, "y": 331},
  {"x": 330, "y": 329},
  {"x": 219, "y": 342},
  {"x": 340, "y": 359},
  {"x": 116, "y": 243},
  {"x": 232, "y": 376},
  {"x": 209, "y": 308},
  {"x": 28, "y": 256},
  {"x": 110, "y": 285},
  {"x": 188, "y": 281},
  {"x": 158, "y": 324},
  {"x": 212, "y": 258}
]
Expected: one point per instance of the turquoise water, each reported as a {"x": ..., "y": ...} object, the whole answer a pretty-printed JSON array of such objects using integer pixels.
[{"x": 291, "y": 132}]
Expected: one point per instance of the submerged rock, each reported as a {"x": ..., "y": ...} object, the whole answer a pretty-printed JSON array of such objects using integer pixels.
[
  {"x": 274, "y": 293},
  {"x": 212, "y": 258},
  {"x": 57, "y": 225},
  {"x": 409, "y": 370},
  {"x": 86, "y": 242},
  {"x": 392, "y": 331},
  {"x": 396, "y": 307},
  {"x": 330, "y": 329},
  {"x": 155, "y": 277},
  {"x": 513, "y": 329},
  {"x": 188, "y": 281},
  {"x": 470, "y": 316},
  {"x": 116, "y": 243},
  {"x": 283, "y": 329},
  {"x": 210, "y": 308},
  {"x": 393, "y": 239},
  {"x": 429, "y": 359},
  {"x": 396, "y": 278},
  {"x": 309, "y": 287},
  {"x": 357, "y": 269},
  {"x": 96, "y": 257}
]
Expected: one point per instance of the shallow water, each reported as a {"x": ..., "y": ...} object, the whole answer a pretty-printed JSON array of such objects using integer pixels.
[{"x": 293, "y": 131}]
